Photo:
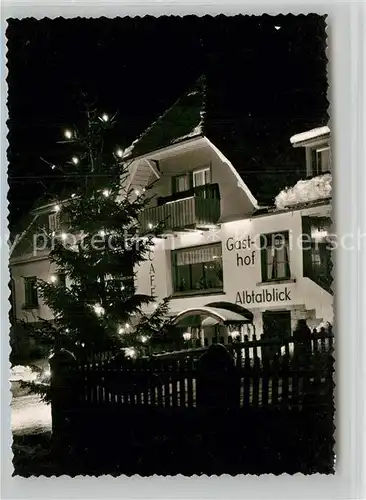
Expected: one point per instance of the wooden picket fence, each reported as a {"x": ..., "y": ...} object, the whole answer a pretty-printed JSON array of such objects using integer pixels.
[
  {"x": 262, "y": 372},
  {"x": 264, "y": 395}
]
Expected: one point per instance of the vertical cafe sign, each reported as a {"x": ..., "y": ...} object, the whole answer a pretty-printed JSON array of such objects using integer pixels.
[{"x": 151, "y": 274}]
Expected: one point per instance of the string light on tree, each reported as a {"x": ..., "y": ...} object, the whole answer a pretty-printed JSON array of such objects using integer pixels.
[
  {"x": 102, "y": 233},
  {"x": 144, "y": 339},
  {"x": 106, "y": 193},
  {"x": 68, "y": 134},
  {"x": 73, "y": 195},
  {"x": 75, "y": 160},
  {"x": 57, "y": 208},
  {"x": 119, "y": 152},
  {"x": 63, "y": 236},
  {"x": 105, "y": 117},
  {"x": 98, "y": 309},
  {"x": 53, "y": 278},
  {"x": 130, "y": 352},
  {"x": 121, "y": 330}
]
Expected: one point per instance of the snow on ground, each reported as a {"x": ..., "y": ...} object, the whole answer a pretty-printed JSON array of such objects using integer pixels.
[
  {"x": 29, "y": 415},
  {"x": 314, "y": 189}
]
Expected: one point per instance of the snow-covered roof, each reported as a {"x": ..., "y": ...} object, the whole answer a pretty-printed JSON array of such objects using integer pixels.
[
  {"x": 309, "y": 135},
  {"x": 310, "y": 190},
  {"x": 183, "y": 120}
]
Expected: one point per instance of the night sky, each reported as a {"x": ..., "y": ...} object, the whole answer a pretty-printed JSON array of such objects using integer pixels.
[{"x": 264, "y": 84}]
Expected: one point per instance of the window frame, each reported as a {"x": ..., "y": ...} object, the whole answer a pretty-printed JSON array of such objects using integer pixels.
[
  {"x": 191, "y": 290},
  {"x": 317, "y": 168},
  {"x": 198, "y": 171},
  {"x": 30, "y": 302},
  {"x": 264, "y": 260},
  {"x": 54, "y": 221}
]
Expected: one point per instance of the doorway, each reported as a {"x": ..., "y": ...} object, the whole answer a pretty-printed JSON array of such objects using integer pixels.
[{"x": 277, "y": 324}]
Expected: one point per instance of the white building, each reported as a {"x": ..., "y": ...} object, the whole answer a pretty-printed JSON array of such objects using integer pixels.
[{"x": 225, "y": 259}]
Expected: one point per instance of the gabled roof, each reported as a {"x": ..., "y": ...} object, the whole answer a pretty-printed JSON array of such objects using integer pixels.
[
  {"x": 23, "y": 242},
  {"x": 184, "y": 120}
]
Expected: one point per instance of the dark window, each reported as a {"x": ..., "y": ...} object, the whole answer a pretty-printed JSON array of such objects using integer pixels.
[
  {"x": 275, "y": 256},
  {"x": 61, "y": 279},
  {"x": 198, "y": 268},
  {"x": 31, "y": 295},
  {"x": 277, "y": 324}
]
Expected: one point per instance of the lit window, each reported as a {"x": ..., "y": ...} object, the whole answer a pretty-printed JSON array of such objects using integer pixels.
[
  {"x": 198, "y": 268},
  {"x": 201, "y": 177},
  {"x": 275, "y": 256},
  {"x": 320, "y": 160},
  {"x": 54, "y": 221}
]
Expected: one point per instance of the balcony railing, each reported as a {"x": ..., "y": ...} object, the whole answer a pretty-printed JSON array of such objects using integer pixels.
[{"x": 200, "y": 208}]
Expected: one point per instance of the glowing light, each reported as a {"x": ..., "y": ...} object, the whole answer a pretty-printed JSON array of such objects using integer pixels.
[
  {"x": 105, "y": 117},
  {"x": 143, "y": 189},
  {"x": 98, "y": 309},
  {"x": 75, "y": 160},
  {"x": 130, "y": 352},
  {"x": 277, "y": 28},
  {"x": 187, "y": 336},
  {"x": 53, "y": 278},
  {"x": 122, "y": 287},
  {"x": 73, "y": 195},
  {"x": 67, "y": 330},
  {"x": 82, "y": 344},
  {"x": 150, "y": 225},
  {"x": 144, "y": 339},
  {"x": 119, "y": 152},
  {"x": 235, "y": 334},
  {"x": 57, "y": 208},
  {"x": 137, "y": 192},
  {"x": 68, "y": 134},
  {"x": 53, "y": 233},
  {"x": 319, "y": 235},
  {"x": 106, "y": 193},
  {"x": 53, "y": 167},
  {"x": 63, "y": 236},
  {"x": 127, "y": 326},
  {"x": 121, "y": 330},
  {"x": 102, "y": 233}
]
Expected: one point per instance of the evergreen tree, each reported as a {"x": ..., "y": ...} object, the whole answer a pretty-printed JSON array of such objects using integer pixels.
[{"x": 98, "y": 246}]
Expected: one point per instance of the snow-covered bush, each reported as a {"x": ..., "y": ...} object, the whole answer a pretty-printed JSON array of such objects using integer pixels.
[{"x": 314, "y": 189}]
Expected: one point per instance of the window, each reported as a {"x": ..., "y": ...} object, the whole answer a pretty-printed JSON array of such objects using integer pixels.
[
  {"x": 180, "y": 183},
  {"x": 31, "y": 295},
  {"x": 54, "y": 222},
  {"x": 198, "y": 268},
  {"x": 320, "y": 160},
  {"x": 61, "y": 279},
  {"x": 201, "y": 177},
  {"x": 275, "y": 256},
  {"x": 317, "y": 260}
]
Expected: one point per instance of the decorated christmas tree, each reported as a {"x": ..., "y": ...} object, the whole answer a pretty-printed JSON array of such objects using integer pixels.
[{"x": 95, "y": 245}]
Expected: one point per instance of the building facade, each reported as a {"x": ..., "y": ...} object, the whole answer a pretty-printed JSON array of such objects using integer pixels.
[{"x": 231, "y": 266}]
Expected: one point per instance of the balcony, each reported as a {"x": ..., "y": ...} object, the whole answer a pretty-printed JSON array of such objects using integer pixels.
[{"x": 198, "y": 208}]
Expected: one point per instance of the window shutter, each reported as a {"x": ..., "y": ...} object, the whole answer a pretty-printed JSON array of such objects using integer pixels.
[
  {"x": 264, "y": 258},
  {"x": 306, "y": 246}
]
